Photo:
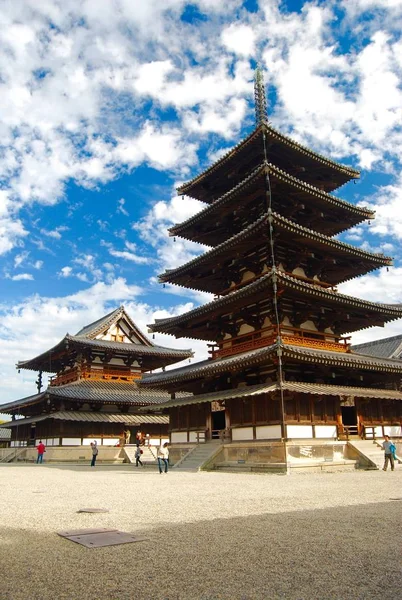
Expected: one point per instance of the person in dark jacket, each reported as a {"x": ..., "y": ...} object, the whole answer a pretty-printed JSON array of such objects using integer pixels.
[{"x": 138, "y": 453}]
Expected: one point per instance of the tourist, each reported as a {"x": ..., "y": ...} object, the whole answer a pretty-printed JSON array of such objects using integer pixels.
[
  {"x": 127, "y": 435},
  {"x": 138, "y": 453},
  {"x": 389, "y": 453},
  {"x": 163, "y": 457},
  {"x": 41, "y": 448},
  {"x": 94, "y": 447}
]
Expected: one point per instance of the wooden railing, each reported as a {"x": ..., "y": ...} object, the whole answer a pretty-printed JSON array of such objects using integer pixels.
[
  {"x": 63, "y": 378},
  {"x": 105, "y": 374},
  {"x": 289, "y": 335}
]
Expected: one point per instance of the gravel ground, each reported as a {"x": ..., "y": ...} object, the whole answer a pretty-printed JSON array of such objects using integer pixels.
[{"x": 210, "y": 536}]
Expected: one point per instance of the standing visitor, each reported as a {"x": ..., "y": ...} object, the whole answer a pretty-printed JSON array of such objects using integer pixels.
[
  {"x": 41, "y": 448},
  {"x": 163, "y": 456},
  {"x": 389, "y": 453},
  {"x": 127, "y": 435},
  {"x": 94, "y": 447},
  {"x": 138, "y": 453}
]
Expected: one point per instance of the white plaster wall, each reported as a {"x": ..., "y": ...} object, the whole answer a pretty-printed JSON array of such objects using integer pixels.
[
  {"x": 193, "y": 436},
  {"x": 299, "y": 431},
  {"x": 268, "y": 432},
  {"x": 299, "y": 271},
  {"x": 309, "y": 326},
  {"x": 325, "y": 431},
  {"x": 392, "y": 430},
  {"x": 178, "y": 436},
  {"x": 110, "y": 441},
  {"x": 71, "y": 442},
  {"x": 242, "y": 433},
  {"x": 245, "y": 328},
  {"x": 87, "y": 442},
  {"x": 247, "y": 275}
]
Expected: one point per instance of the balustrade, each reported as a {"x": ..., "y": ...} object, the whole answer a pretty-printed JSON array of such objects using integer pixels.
[
  {"x": 289, "y": 335},
  {"x": 104, "y": 374}
]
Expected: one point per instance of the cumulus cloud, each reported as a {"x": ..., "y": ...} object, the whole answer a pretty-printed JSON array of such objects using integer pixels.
[
  {"x": 23, "y": 339},
  {"x": 22, "y": 277}
]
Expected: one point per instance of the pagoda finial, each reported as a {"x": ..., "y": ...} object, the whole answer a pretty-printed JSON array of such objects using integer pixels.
[{"x": 261, "y": 113}]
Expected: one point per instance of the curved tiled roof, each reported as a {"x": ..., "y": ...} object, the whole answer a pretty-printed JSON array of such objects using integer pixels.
[
  {"x": 386, "y": 348},
  {"x": 139, "y": 349},
  {"x": 255, "y": 357},
  {"x": 95, "y": 417},
  {"x": 274, "y": 133},
  {"x": 122, "y": 347},
  {"x": 102, "y": 392},
  {"x": 342, "y": 359},
  {"x": 208, "y": 367},
  {"x": 393, "y": 311},
  {"x": 252, "y": 229},
  {"x": 291, "y": 386},
  {"x": 365, "y": 213}
]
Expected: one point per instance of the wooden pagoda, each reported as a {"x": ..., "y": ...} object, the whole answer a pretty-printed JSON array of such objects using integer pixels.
[
  {"x": 281, "y": 365},
  {"x": 93, "y": 392}
]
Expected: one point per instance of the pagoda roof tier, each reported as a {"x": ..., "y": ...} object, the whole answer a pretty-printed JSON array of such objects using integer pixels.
[
  {"x": 287, "y": 386},
  {"x": 287, "y": 154},
  {"x": 289, "y": 194},
  {"x": 203, "y": 322},
  {"x": 95, "y": 392},
  {"x": 152, "y": 356},
  {"x": 210, "y": 368},
  {"x": 208, "y": 272},
  {"x": 94, "y": 417}
]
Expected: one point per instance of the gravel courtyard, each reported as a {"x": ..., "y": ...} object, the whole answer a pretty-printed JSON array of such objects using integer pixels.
[{"x": 210, "y": 536}]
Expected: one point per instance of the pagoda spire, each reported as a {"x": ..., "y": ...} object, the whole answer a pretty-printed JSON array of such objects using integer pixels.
[{"x": 261, "y": 113}]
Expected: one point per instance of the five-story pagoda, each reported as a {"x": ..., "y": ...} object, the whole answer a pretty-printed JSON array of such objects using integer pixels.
[{"x": 280, "y": 365}]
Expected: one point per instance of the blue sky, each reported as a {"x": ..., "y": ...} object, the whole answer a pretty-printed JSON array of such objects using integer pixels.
[{"x": 107, "y": 106}]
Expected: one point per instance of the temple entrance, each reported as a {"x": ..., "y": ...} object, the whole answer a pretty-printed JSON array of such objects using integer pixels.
[
  {"x": 218, "y": 423},
  {"x": 349, "y": 420}
]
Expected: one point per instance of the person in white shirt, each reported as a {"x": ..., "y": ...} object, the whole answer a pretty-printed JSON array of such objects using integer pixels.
[{"x": 163, "y": 457}]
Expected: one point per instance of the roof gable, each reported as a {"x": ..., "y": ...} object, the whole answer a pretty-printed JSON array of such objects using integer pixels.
[{"x": 116, "y": 326}]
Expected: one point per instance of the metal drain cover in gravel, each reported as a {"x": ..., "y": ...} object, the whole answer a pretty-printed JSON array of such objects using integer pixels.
[
  {"x": 93, "y": 510},
  {"x": 98, "y": 538}
]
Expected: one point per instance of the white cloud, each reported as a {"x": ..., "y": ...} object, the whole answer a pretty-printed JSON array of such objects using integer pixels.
[
  {"x": 23, "y": 339},
  {"x": 239, "y": 39},
  {"x": 19, "y": 259},
  {"x": 120, "y": 207},
  {"x": 22, "y": 277},
  {"x": 66, "y": 272}
]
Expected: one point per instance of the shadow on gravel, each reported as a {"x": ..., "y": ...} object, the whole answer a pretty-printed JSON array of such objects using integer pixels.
[{"x": 347, "y": 553}]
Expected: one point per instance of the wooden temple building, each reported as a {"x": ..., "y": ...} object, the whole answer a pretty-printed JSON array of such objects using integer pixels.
[
  {"x": 93, "y": 392},
  {"x": 281, "y": 365}
]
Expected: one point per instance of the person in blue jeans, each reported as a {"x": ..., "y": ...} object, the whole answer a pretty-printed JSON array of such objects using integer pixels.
[
  {"x": 163, "y": 457},
  {"x": 41, "y": 448}
]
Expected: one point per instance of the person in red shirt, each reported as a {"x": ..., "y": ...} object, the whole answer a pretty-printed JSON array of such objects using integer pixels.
[{"x": 41, "y": 448}]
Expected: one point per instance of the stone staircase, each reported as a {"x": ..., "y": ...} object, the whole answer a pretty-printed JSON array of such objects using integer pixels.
[
  {"x": 198, "y": 456},
  {"x": 148, "y": 455},
  {"x": 11, "y": 455},
  {"x": 371, "y": 451}
]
